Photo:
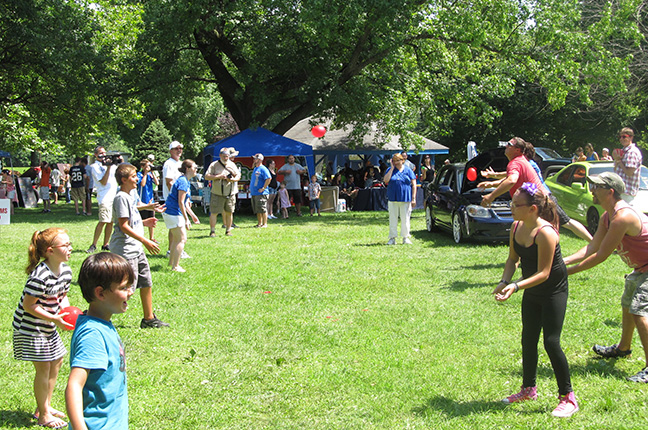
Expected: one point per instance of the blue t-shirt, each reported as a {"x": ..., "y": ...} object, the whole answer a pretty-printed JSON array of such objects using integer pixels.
[
  {"x": 259, "y": 176},
  {"x": 172, "y": 205},
  {"x": 96, "y": 346},
  {"x": 145, "y": 194},
  {"x": 399, "y": 188},
  {"x": 539, "y": 173}
]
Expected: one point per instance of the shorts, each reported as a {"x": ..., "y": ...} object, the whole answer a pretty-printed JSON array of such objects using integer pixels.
[
  {"x": 147, "y": 214},
  {"x": 37, "y": 348},
  {"x": 272, "y": 191},
  {"x": 296, "y": 196},
  {"x": 173, "y": 221},
  {"x": 44, "y": 193},
  {"x": 260, "y": 204},
  {"x": 563, "y": 218},
  {"x": 314, "y": 204},
  {"x": 77, "y": 194},
  {"x": 105, "y": 211},
  {"x": 635, "y": 294},
  {"x": 142, "y": 271},
  {"x": 219, "y": 204}
]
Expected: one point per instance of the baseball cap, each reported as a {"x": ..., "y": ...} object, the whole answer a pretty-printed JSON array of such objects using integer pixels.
[
  {"x": 233, "y": 152},
  {"x": 608, "y": 179},
  {"x": 258, "y": 157},
  {"x": 175, "y": 144},
  {"x": 224, "y": 151}
]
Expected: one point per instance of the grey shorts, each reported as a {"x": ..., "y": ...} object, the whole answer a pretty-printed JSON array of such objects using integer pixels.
[
  {"x": 142, "y": 271},
  {"x": 105, "y": 211},
  {"x": 260, "y": 204},
  {"x": 219, "y": 204},
  {"x": 635, "y": 295},
  {"x": 44, "y": 193}
]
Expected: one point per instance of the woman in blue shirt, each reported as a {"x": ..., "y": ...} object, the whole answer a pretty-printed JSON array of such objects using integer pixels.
[
  {"x": 401, "y": 198},
  {"x": 176, "y": 215}
]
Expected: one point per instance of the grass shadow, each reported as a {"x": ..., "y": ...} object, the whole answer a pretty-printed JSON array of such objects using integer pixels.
[
  {"x": 16, "y": 419},
  {"x": 463, "y": 285},
  {"x": 612, "y": 323},
  {"x": 452, "y": 408}
]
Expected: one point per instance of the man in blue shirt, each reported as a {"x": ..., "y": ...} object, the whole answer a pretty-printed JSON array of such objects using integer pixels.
[{"x": 259, "y": 182}]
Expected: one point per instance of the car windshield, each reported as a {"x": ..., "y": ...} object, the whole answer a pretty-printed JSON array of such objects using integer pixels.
[
  {"x": 643, "y": 184},
  {"x": 545, "y": 153}
]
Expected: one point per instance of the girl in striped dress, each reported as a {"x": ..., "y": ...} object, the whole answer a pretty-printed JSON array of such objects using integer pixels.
[{"x": 35, "y": 337}]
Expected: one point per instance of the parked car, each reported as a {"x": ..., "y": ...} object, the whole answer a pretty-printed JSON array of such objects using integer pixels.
[
  {"x": 549, "y": 158},
  {"x": 453, "y": 201},
  {"x": 573, "y": 193}
]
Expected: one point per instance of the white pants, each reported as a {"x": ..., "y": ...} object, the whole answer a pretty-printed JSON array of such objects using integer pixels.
[{"x": 402, "y": 210}]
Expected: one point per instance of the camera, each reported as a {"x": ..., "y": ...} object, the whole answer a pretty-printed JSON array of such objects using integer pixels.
[{"x": 110, "y": 159}]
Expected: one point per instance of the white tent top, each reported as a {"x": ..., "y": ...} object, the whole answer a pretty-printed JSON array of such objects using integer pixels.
[{"x": 337, "y": 141}]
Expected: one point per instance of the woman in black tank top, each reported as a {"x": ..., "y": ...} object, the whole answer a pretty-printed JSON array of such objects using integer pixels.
[{"x": 535, "y": 244}]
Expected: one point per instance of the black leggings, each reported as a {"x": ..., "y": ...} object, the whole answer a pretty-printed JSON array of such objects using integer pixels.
[{"x": 545, "y": 313}]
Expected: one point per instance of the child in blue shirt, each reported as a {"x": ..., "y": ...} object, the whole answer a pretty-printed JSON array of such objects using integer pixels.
[{"x": 96, "y": 394}]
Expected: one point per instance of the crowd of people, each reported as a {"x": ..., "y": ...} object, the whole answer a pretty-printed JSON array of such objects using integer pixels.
[{"x": 95, "y": 393}]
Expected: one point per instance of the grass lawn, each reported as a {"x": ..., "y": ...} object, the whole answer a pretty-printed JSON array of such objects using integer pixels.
[{"x": 313, "y": 323}]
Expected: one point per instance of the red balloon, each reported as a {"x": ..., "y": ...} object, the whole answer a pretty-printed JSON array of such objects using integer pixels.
[
  {"x": 72, "y": 314},
  {"x": 471, "y": 174},
  {"x": 318, "y": 131}
]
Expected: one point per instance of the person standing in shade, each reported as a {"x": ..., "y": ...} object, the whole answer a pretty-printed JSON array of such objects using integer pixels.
[
  {"x": 259, "y": 182},
  {"x": 627, "y": 164},
  {"x": 145, "y": 182},
  {"x": 314, "y": 191},
  {"x": 103, "y": 175},
  {"x": 292, "y": 177},
  {"x": 401, "y": 198},
  {"x": 272, "y": 188},
  {"x": 44, "y": 189}
]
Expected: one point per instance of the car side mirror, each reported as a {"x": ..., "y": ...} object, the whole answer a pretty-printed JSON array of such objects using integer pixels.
[{"x": 577, "y": 186}]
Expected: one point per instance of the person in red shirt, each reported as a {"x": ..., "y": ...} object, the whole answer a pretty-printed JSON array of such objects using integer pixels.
[
  {"x": 44, "y": 189},
  {"x": 624, "y": 230},
  {"x": 519, "y": 171}
]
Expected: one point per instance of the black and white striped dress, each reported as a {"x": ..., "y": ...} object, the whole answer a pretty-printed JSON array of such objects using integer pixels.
[{"x": 35, "y": 339}]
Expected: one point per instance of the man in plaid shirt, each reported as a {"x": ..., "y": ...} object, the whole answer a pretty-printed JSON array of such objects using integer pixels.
[{"x": 627, "y": 164}]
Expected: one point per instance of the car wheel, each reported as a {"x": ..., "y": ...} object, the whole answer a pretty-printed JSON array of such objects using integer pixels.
[
  {"x": 457, "y": 233},
  {"x": 429, "y": 221},
  {"x": 592, "y": 220}
]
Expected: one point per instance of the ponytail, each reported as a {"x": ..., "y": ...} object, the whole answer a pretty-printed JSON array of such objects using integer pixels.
[{"x": 40, "y": 241}]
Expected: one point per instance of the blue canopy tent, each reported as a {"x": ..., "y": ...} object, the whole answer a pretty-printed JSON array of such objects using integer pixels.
[{"x": 252, "y": 141}]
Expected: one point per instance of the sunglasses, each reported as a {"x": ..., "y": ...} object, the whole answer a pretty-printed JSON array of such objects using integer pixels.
[{"x": 624, "y": 136}]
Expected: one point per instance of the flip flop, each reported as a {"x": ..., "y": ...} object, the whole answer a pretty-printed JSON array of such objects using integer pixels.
[
  {"x": 55, "y": 413},
  {"x": 50, "y": 425}
]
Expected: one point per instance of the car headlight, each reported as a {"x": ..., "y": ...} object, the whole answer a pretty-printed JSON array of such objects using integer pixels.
[{"x": 476, "y": 211}]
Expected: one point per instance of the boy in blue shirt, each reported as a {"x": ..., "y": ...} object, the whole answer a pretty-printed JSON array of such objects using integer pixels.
[{"x": 96, "y": 395}]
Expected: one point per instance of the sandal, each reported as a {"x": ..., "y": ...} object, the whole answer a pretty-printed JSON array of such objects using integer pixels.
[{"x": 612, "y": 351}]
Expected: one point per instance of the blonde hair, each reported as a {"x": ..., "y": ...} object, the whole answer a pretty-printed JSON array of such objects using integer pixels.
[
  {"x": 397, "y": 157},
  {"x": 40, "y": 242}
]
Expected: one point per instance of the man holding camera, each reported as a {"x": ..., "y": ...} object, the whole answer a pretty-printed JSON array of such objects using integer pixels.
[
  {"x": 103, "y": 175},
  {"x": 224, "y": 174}
]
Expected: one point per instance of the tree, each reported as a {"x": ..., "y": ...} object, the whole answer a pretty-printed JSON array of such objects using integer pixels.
[
  {"x": 155, "y": 140},
  {"x": 395, "y": 64}
]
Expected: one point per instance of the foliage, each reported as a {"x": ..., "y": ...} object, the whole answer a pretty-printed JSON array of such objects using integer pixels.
[
  {"x": 155, "y": 140},
  {"x": 439, "y": 65},
  {"x": 313, "y": 323}
]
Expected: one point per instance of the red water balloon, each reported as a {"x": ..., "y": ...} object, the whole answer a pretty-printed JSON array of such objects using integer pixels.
[
  {"x": 471, "y": 174},
  {"x": 72, "y": 314},
  {"x": 318, "y": 131}
]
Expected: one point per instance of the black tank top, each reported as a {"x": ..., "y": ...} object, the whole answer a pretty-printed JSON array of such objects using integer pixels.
[{"x": 557, "y": 281}]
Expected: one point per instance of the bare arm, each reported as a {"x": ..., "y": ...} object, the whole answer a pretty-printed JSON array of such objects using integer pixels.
[
  {"x": 74, "y": 397},
  {"x": 502, "y": 188},
  {"x": 30, "y": 304},
  {"x": 151, "y": 246}
]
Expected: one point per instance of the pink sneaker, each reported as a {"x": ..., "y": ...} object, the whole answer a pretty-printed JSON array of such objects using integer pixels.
[
  {"x": 567, "y": 406},
  {"x": 526, "y": 393}
]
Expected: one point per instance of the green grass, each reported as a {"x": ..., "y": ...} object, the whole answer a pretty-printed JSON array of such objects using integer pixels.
[{"x": 314, "y": 323}]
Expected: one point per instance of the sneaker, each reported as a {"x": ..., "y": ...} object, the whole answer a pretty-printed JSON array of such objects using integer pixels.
[
  {"x": 641, "y": 376},
  {"x": 105, "y": 248},
  {"x": 78, "y": 214},
  {"x": 212, "y": 234},
  {"x": 407, "y": 241},
  {"x": 526, "y": 393},
  {"x": 391, "y": 241},
  {"x": 611, "y": 351},
  {"x": 153, "y": 323},
  {"x": 185, "y": 255},
  {"x": 567, "y": 406},
  {"x": 91, "y": 249}
]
